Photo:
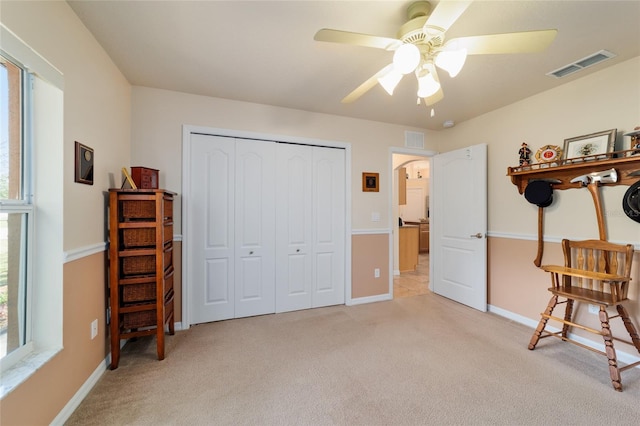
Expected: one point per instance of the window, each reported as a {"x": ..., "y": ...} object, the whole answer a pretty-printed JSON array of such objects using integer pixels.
[
  {"x": 31, "y": 210},
  {"x": 16, "y": 210}
]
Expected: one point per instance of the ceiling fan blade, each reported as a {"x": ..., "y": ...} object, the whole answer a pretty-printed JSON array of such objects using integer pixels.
[
  {"x": 446, "y": 13},
  {"x": 523, "y": 42},
  {"x": 337, "y": 36},
  {"x": 366, "y": 86}
]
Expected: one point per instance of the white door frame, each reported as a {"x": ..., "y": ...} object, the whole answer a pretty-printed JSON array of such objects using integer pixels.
[
  {"x": 393, "y": 219},
  {"x": 187, "y": 130}
]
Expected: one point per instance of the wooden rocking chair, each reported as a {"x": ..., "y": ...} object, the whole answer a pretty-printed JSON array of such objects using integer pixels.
[{"x": 595, "y": 272}]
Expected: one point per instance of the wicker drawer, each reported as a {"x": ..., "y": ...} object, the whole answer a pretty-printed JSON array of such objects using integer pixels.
[
  {"x": 139, "y": 319},
  {"x": 135, "y": 293},
  {"x": 138, "y": 237},
  {"x": 131, "y": 210},
  {"x": 138, "y": 265}
]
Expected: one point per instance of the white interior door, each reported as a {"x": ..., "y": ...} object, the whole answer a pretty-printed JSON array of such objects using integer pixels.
[
  {"x": 329, "y": 228},
  {"x": 459, "y": 226},
  {"x": 211, "y": 259},
  {"x": 254, "y": 228},
  {"x": 294, "y": 234}
]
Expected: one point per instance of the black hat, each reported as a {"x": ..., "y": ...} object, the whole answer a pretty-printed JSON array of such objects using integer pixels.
[
  {"x": 539, "y": 192},
  {"x": 631, "y": 202}
]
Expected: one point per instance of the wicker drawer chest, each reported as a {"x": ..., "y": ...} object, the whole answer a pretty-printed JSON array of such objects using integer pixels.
[{"x": 140, "y": 266}]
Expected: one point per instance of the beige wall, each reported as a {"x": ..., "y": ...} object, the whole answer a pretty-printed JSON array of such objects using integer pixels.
[
  {"x": 102, "y": 111},
  {"x": 97, "y": 113},
  {"x": 368, "y": 252},
  {"x": 158, "y": 117},
  {"x": 605, "y": 100}
]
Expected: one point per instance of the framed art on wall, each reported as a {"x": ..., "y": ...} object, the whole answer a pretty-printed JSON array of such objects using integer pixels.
[
  {"x": 370, "y": 182},
  {"x": 84, "y": 164}
]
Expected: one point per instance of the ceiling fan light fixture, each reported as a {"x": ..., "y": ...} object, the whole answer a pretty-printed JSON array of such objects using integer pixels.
[
  {"x": 390, "y": 80},
  {"x": 406, "y": 58},
  {"x": 452, "y": 61},
  {"x": 427, "y": 85}
]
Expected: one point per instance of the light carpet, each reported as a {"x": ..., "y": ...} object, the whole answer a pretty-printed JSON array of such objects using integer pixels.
[{"x": 424, "y": 360}]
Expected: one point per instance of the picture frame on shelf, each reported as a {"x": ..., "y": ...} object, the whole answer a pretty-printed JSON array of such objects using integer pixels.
[
  {"x": 634, "y": 144},
  {"x": 83, "y": 164},
  {"x": 370, "y": 182},
  {"x": 591, "y": 146}
]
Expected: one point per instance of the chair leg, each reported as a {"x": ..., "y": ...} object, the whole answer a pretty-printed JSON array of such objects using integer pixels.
[
  {"x": 633, "y": 333},
  {"x": 614, "y": 372},
  {"x": 543, "y": 322},
  {"x": 568, "y": 313}
]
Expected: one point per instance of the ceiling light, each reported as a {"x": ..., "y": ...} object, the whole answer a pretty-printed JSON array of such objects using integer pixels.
[
  {"x": 406, "y": 58},
  {"x": 390, "y": 80},
  {"x": 451, "y": 61},
  {"x": 427, "y": 85},
  {"x": 433, "y": 112}
]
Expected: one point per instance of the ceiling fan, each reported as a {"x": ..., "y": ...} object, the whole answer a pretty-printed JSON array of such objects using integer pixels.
[{"x": 420, "y": 47}]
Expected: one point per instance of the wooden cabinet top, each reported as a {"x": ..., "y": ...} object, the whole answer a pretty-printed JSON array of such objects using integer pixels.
[
  {"x": 141, "y": 191},
  {"x": 560, "y": 173}
]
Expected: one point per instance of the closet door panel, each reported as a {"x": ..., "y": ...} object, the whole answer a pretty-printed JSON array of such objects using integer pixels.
[
  {"x": 329, "y": 226},
  {"x": 294, "y": 261},
  {"x": 254, "y": 228},
  {"x": 211, "y": 224}
]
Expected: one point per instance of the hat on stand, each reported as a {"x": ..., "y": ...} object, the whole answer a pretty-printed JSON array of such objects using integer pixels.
[
  {"x": 539, "y": 192},
  {"x": 631, "y": 202}
]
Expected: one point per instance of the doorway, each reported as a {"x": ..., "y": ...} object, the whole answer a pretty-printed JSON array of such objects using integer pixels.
[{"x": 411, "y": 239}]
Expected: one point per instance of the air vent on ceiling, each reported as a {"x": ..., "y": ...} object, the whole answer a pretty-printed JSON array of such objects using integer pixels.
[
  {"x": 583, "y": 63},
  {"x": 413, "y": 139}
]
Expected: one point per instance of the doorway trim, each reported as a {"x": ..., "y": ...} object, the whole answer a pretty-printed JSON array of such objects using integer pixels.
[
  {"x": 393, "y": 203},
  {"x": 187, "y": 130}
]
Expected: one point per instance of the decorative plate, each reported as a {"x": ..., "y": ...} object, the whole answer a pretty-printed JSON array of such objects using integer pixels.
[{"x": 549, "y": 153}]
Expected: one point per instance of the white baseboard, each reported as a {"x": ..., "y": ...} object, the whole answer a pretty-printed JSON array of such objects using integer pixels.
[
  {"x": 624, "y": 357},
  {"x": 84, "y": 390},
  {"x": 370, "y": 299}
]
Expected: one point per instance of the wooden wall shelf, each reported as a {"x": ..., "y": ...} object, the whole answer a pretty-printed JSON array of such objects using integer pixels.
[{"x": 561, "y": 172}]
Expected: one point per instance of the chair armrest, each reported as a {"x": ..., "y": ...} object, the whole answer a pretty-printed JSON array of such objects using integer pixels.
[{"x": 601, "y": 276}]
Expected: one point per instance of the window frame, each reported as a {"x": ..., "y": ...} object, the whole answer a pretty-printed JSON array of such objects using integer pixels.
[
  {"x": 23, "y": 205},
  {"x": 44, "y": 190}
]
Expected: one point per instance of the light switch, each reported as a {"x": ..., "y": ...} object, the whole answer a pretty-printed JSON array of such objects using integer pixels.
[{"x": 375, "y": 217}]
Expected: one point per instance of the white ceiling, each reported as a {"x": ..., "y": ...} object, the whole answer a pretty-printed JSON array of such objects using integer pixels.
[{"x": 264, "y": 51}]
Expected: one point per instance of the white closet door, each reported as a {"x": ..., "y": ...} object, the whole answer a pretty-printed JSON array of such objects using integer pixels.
[
  {"x": 328, "y": 226},
  {"x": 294, "y": 245},
  {"x": 211, "y": 254},
  {"x": 255, "y": 228}
]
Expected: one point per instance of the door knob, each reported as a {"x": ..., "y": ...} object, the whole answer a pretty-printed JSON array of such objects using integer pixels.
[
  {"x": 478, "y": 235},
  {"x": 251, "y": 252},
  {"x": 297, "y": 250}
]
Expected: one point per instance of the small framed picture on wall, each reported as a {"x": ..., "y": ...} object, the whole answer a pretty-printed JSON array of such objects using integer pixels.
[
  {"x": 370, "y": 182},
  {"x": 84, "y": 164}
]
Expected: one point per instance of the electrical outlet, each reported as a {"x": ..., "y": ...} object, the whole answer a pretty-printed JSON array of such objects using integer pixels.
[
  {"x": 94, "y": 329},
  {"x": 376, "y": 273},
  {"x": 594, "y": 309}
]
